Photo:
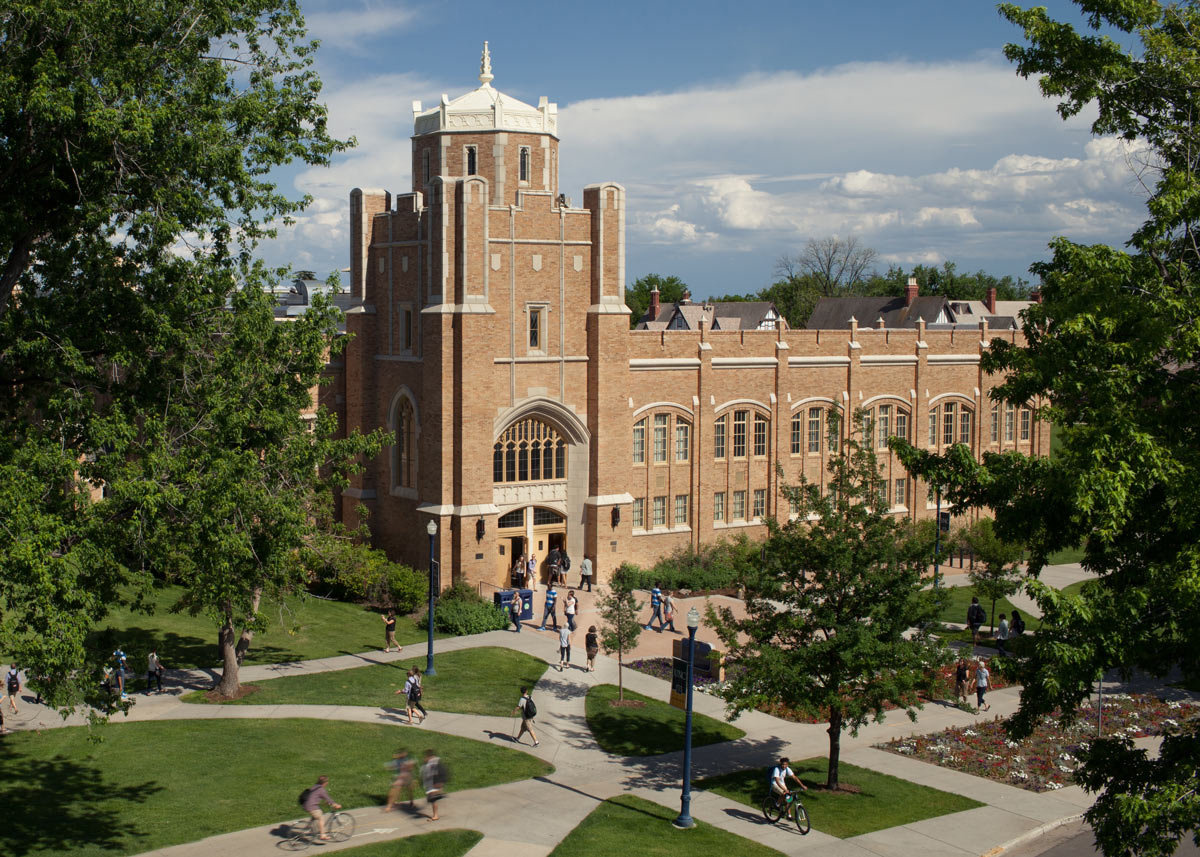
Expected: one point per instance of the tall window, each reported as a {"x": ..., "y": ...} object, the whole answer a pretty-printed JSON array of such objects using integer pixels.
[
  {"x": 1009, "y": 414},
  {"x": 901, "y": 497},
  {"x": 901, "y": 424},
  {"x": 406, "y": 453},
  {"x": 760, "y": 502},
  {"x": 964, "y": 425},
  {"x": 524, "y": 164},
  {"x": 948, "y": 424},
  {"x": 683, "y": 441},
  {"x": 814, "y": 429},
  {"x": 883, "y": 425},
  {"x": 995, "y": 429},
  {"x": 1026, "y": 423},
  {"x": 933, "y": 427},
  {"x": 739, "y": 433},
  {"x": 660, "y": 511},
  {"x": 719, "y": 506},
  {"x": 425, "y": 165},
  {"x": 537, "y": 322},
  {"x": 660, "y": 437},
  {"x": 681, "y": 508},
  {"x": 797, "y": 436},
  {"x": 529, "y": 451},
  {"x": 883, "y": 495},
  {"x": 639, "y": 513},
  {"x": 760, "y": 435},
  {"x": 719, "y": 438},
  {"x": 471, "y": 161},
  {"x": 739, "y": 505},
  {"x": 639, "y": 442},
  {"x": 406, "y": 329}
]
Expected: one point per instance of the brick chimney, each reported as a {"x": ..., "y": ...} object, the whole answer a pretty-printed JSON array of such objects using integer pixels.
[
  {"x": 991, "y": 299},
  {"x": 910, "y": 291},
  {"x": 653, "y": 314},
  {"x": 1037, "y": 296}
]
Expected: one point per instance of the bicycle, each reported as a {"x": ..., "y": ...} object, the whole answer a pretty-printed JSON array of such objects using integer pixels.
[
  {"x": 339, "y": 826},
  {"x": 774, "y": 809}
]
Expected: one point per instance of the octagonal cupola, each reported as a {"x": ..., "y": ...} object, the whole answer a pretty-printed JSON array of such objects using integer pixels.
[{"x": 486, "y": 109}]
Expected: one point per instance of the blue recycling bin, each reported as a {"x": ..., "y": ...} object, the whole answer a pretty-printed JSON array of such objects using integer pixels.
[{"x": 504, "y": 597}]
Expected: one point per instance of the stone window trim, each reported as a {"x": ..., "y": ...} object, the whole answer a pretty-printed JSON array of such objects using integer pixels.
[
  {"x": 470, "y": 160},
  {"x": 537, "y": 319},
  {"x": 524, "y": 165},
  {"x": 403, "y": 415},
  {"x": 529, "y": 450}
]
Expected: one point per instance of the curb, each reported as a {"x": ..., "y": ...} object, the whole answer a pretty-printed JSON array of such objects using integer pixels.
[{"x": 1030, "y": 835}]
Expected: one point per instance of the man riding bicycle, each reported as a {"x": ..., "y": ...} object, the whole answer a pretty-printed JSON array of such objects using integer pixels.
[
  {"x": 312, "y": 805},
  {"x": 779, "y": 776}
]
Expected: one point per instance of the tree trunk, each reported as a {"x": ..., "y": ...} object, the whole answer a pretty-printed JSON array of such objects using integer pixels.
[
  {"x": 835, "y": 746},
  {"x": 243, "y": 644},
  {"x": 230, "y": 682}
]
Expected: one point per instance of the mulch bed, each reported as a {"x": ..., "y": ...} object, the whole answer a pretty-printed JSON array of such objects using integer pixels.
[{"x": 243, "y": 691}]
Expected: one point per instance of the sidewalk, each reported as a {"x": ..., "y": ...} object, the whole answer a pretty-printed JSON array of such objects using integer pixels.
[{"x": 530, "y": 817}]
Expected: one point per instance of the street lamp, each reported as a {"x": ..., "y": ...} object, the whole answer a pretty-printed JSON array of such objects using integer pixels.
[
  {"x": 684, "y": 820},
  {"x": 431, "y": 528}
]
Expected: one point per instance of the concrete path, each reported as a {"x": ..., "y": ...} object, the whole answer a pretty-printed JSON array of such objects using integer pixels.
[{"x": 530, "y": 817}]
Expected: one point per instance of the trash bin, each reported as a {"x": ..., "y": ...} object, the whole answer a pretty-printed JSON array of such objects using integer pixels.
[{"x": 504, "y": 597}]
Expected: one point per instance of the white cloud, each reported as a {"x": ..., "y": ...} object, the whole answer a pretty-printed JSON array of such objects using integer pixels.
[{"x": 346, "y": 26}]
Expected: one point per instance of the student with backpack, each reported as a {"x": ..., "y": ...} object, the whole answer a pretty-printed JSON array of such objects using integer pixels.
[
  {"x": 975, "y": 619},
  {"x": 550, "y": 612},
  {"x": 311, "y": 799},
  {"x": 12, "y": 683},
  {"x": 528, "y": 711},
  {"x": 1017, "y": 627},
  {"x": 655, "y": 609}
]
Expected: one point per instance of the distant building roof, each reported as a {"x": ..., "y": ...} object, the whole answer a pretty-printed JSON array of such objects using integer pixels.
[
  {"x": 835, "y": 313},
  {"x": 722, "y": 315}
]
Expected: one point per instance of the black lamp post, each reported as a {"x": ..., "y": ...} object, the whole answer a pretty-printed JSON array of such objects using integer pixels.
[
  {"x": 684, "y": 820},
  {"x": 430, "y": 528}
]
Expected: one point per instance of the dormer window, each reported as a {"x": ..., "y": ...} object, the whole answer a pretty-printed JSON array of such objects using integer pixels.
[{"x": 472, "y": 166}]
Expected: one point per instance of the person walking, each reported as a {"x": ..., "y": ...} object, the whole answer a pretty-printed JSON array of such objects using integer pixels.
[
  {"x": 389, "y": 632},
  {"x": 518, "y": 571},
  {"x": 981, "y": 686},
  {"x": 154, "y": 671},
  {"x": 591, "y": 644},
  {"x": 514, "y": 611},
  {"x": 554, "y": 563},
  {"x": 1002, "y": 634},
  {"x": 585, "y": 573},
  {"x": 960, "y": 681},
  {"x": 1017, "y": 626},
  {"x": 531, "y": 580},
  {"x": 570, "y": 608},
  {"x": 564, "y": 647},
  {"x": 12, "y": 684},
  {"x": 412, "y": 695},
  {"x": 119, "y": 671},
  {"x": 655, "y": 608},
  {"x": 433, "y": 779},
  {"x": 668, "y": 604},
  {"x": 550, "y": 611},
  {"x": 528, "y": 711},
  {"x": 402, "y": 765},
  {"x": 975, "y": 619},
  {"x": 312, "y": 804}
]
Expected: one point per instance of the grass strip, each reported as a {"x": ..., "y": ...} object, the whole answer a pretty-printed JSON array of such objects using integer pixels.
[
  {"x": 486, "y": 680},
  {"x": 300, "y": 628},
  {"x": 881, "y": 801},
  {"x": 958, "y": 598},
  {"x": 126, "y": 788},
  {"x": 653, "y": 728},
  {"x": 633, "y": 825},
  {"x": 442, "y": 843}
]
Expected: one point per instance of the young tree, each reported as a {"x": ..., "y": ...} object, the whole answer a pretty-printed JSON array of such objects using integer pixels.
[
  {"x": 998, "y": 573},
  {"x": 637, "y": 296},
  {"x": 829, "y": 616},
  {"x": 134, "y": 151},
  {"x": 1111, "y": 357},
  {"x": 619, "y": 610}
]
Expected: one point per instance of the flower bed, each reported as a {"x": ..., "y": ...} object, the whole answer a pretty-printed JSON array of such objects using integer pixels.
[{"x": 1047, "y": 759}]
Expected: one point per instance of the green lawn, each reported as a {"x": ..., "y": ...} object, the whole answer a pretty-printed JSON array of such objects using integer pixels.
[
  {"x": 652, "y": 729},
  {"x": 442, "y": 843},
  {"x": 486, "y": 680},
  {"x": 302, "y": 628},
  {"x": 1064, "y": 556},
  {"x": 884, "y": 801},
  {"x": 958, "y": 598},
  {"x": 632, "y": 825},
  {"x": 143, "y": 786}
]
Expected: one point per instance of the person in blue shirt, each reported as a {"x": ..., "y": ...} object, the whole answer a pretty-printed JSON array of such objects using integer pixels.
[
  {"x": 655, "y": 608},
  {"x": 550, "y": 612}
]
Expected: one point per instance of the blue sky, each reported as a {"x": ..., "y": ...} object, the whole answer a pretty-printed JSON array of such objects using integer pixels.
[{"x": 740, "y": 130}]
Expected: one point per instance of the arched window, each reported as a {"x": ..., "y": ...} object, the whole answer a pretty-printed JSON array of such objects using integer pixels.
[
  {"x": 529, "y": 451},
  {"x": 404, "y": 448}
]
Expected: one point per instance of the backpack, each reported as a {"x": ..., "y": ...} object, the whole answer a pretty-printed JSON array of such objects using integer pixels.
[
  {"x": 566, "y": 562},
  {"x": 530, "y": 708},
  {"x": 1019, "y": 626},
  {"x": 304, "y": 797},
  {"x": 976, "y": 614}
]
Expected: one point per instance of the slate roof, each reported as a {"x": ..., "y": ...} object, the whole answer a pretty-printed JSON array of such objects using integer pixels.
[{"x": 938, "y": 313}]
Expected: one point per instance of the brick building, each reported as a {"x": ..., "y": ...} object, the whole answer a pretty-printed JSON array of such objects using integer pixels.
[{"x": 491, "y": 339}]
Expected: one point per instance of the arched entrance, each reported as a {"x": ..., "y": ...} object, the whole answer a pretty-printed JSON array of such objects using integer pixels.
[{"x": 529, "y": 528}]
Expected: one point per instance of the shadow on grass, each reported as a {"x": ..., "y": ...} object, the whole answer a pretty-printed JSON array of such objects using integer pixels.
[{"x": 60, "y": 804}]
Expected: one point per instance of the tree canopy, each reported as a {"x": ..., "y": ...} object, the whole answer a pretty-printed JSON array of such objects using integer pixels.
[
  {"x": 829, "y": 612},
  {"x": 134, "y": 149},
  {"x": 1110, "y": 357},
  {"x": 637, "y": 296}
]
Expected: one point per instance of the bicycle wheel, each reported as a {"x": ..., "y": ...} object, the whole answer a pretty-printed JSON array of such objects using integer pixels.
[
  {"x": 800, "y": 816},
  {"x": 771, "y": 809},
  {"x": 300, "y": 836},
  {"x": 340, "y": 826}
]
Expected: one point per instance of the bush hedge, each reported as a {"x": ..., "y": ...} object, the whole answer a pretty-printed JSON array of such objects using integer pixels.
[
  {"x": 461, "y": 611},
  {"x": 715, "y": 566}
]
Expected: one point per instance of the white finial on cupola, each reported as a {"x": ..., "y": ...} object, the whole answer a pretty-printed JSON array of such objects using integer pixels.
[{"x": 485, "y": 67}]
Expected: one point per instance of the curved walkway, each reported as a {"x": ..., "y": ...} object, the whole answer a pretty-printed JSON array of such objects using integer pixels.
[{"x": 530, "y": 817}]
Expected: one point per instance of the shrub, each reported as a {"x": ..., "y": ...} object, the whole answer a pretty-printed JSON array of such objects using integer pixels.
[
  {"x": 352, "y": 571},
  {"x": 715, "y": 566},
  {"x": 463, "y": 618}
]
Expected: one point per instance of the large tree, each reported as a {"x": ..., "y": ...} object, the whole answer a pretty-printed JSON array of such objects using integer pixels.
[
  {"x": 134, "y": 150},
  {"x": 637, "y": 295},
  {"x": 998, "y": 574},
  {"x": 1114, "y": 351},
  {"x": 829, "y": 614}
]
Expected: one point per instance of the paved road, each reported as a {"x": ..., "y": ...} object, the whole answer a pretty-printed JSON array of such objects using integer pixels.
[{"x": 1075, "y": 840}]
